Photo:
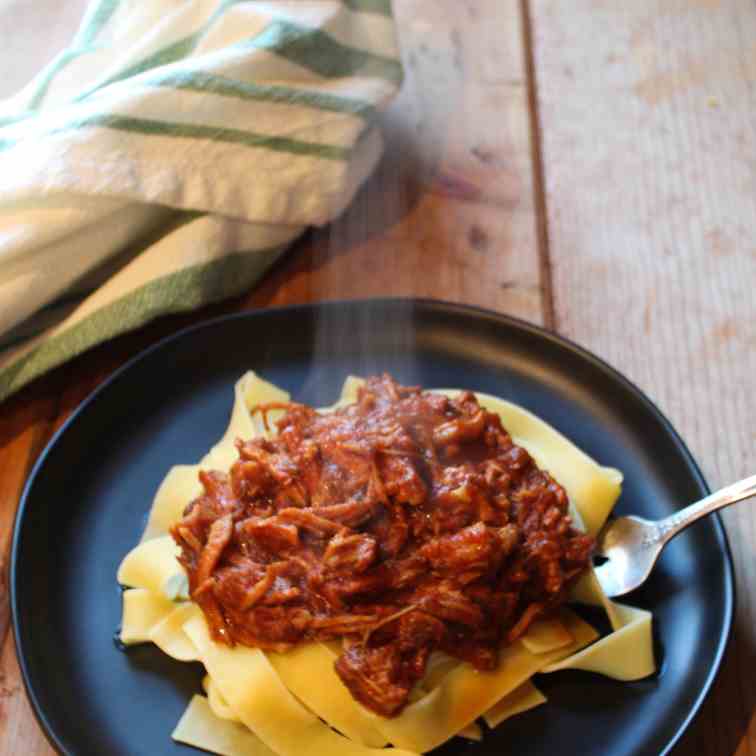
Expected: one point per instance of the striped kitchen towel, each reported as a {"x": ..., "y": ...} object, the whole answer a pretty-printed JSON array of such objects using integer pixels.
[{"x": 167, "y": 157}]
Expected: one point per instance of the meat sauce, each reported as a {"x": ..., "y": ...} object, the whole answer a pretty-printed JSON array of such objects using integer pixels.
[{"x": 404, "y": 523}]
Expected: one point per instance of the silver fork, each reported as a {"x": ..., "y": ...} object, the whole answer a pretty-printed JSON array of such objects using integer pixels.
[{"x": 632, "y": 545}]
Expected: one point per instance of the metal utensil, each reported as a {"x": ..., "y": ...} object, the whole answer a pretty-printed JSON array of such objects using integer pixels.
[{"x": 632, "y": 545}]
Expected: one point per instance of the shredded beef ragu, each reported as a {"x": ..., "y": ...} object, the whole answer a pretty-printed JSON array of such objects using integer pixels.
[{"x": 403, "y": 523}]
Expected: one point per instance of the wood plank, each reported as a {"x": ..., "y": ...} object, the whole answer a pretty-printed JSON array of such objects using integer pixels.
[
  {"x": 648, "y": 147},
  {"x": 24, "y": 429},
  {"x": 19, "y": 733},
  {"x": 450, "y": 213}
]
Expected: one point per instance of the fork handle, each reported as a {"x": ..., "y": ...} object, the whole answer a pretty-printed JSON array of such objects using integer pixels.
[{"x": 670, "y": 526}]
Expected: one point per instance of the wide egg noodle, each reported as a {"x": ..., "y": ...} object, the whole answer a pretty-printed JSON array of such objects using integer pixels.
[
  {"x": 169, "y": 636},
  {"x": 220, "y": 457},
  {"x": 148, "y": 615},
  {"x": 438, "y": 666},
  {"x": 464, "y": 693},
  {"x": 625, "y": 654},
  {"x": 254, "y": 391},
  {"x": 473, "y": 731},
  {"x": 349, "y": 390},
  {"x": 201, "y": 728},
  {"x": 521, "y": 699},
  {"x": 254, "y": 691},
  {"x": 142, "y": 610},
  {"x": 251, "y": 390},
  {"x": 150, "y": 565},
  {"x": 546, "y": 635},
  {"x": 308, "y": 672},
  {"x": 182, "y": 485},
  {"x": 588, "y": 591},
  {"x": 218, "y": 704}
]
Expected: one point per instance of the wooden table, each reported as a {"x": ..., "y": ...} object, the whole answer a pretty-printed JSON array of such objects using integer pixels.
[{"x": 587, "y": 165}]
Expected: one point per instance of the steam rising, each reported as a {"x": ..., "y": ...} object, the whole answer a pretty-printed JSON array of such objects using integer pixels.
[
  {"x": 361, "y": 338},
  {"x": 369, "y": 337}
]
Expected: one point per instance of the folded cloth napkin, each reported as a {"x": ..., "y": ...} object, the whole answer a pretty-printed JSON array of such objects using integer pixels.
[{"x": 168, "y": 156}]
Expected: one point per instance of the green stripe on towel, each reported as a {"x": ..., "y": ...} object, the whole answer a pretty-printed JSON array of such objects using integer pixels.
[
  {"x": 97, "y": 16},
  {"x": 165, "y": 56},
  {"x": 200, "y": 81},
  {"x": 150, "y": 127},
  {"x": 171, "y": 53},
  {"x": 93, "y": 23},
  {"x": 45, "y": 79},
  {"x": 178, "y": 292},
  {"x": 317, "y": 51},
  {"x": 382, "y": 7},
  {"x": 310, "y": 48}
]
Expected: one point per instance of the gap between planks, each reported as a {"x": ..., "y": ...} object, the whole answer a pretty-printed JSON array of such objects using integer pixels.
[{"x": 539, "y": 178}]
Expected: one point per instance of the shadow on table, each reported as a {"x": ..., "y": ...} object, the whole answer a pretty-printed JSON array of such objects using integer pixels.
[{"x": 306, "y": 272}]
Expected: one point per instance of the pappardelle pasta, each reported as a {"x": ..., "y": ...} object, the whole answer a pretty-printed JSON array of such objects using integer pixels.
[{"x": 291, "y": 700}]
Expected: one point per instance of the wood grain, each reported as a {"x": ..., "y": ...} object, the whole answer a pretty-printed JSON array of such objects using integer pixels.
[
  {"x": 23, "y": 432},
  {"x": 649, "y": 154},
  {"x": 21, "y": 734},
  {"x": 450, "y": 213}
]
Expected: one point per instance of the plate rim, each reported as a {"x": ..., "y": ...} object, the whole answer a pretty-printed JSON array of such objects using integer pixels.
[{"x": 416, "y": 303}]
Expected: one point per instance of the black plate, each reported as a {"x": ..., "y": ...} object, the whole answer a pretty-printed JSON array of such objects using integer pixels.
[{"x": 85, "y": 504}]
